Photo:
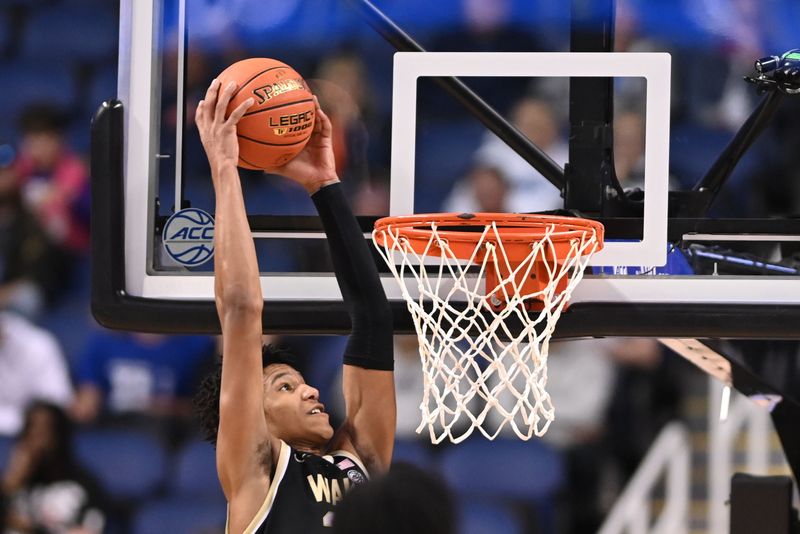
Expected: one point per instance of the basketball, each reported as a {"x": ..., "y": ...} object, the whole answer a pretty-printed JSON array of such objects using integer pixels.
[{"x": 278, "y": 125}]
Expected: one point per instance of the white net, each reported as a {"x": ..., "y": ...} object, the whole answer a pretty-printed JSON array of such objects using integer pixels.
[{"x": 483, "y": 352}]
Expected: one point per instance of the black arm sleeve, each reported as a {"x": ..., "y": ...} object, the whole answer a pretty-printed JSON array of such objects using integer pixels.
[{"x": 370, "y": 343}]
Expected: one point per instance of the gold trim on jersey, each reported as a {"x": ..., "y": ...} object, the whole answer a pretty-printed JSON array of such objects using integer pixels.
[{"x": 263, "y": 512}]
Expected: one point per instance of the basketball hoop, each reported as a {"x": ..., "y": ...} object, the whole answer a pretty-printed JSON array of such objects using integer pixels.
[{"x": 475, "y": 364}]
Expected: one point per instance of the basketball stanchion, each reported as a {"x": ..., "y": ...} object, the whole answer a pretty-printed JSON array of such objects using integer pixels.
[{"x": 466, "y": 279}]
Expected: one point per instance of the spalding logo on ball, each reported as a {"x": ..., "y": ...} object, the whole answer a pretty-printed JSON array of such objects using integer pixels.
[
  {"x": 278, "y": 125},
  {"x": 188, "y": 237}
]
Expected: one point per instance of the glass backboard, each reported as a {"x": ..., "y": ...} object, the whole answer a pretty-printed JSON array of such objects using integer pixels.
[{"x": 630, "y": 134}]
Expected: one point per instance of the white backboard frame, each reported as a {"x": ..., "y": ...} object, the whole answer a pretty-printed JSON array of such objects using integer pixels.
[{"x": 653, "y": 67}]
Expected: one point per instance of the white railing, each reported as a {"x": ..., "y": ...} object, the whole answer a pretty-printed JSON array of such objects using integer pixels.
[
  {"x": 742, "y": 415},
  {"x": 670, "y": 454}
]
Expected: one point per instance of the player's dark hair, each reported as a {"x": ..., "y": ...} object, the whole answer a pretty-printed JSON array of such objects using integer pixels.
[
  {"x": 58, "y": 462},
  {"x": 206, "y": 400},
  {"x": 406, "y": 500},
  {"x": 42, "y": 118}
]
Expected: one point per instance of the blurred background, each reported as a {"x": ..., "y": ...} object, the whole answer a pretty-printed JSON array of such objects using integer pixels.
[{"x": 96, "y": 427}]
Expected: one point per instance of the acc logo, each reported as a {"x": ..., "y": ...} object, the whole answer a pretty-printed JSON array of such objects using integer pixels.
[{"x": 188, "y": 237}]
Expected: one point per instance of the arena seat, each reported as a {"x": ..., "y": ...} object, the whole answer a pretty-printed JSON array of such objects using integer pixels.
[
  {"x": 28, "y": 82},
  {"x": 129, "y": 465},
  {"x": 506, "y": 471},
  {"x": 5, "y": 33},
  {"x": 169, "y": 516},
  {"x": 83, "y": 33},
  {"x": 6, "y": 444},
  {"x": 414, "y": 452},
  {"x": 194, "y": 474},
  {"x": 483, "y": 518}
]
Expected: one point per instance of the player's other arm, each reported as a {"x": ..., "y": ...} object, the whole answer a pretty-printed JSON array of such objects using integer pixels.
[
  {"x": 237, "y": 290},
  {"x": 368, "y": 381},
  {"x": 367, "y": 376}
]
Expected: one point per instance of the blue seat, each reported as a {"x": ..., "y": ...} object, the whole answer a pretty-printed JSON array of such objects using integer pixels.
[
  {"x": 33, "y": 82},
  {"x": 23, "y": 3},
  {"x": 5, "y": 32},
  {"x": 414, "y": 452},
  {"x": 6, "y": 444},
  {"x": 506, "y": 472},
  {"x": 70, "y": 320},
  {"x": 186, "y": 516},
  {"x": 482, "y": 518},
  {"x": 128, "y": 465},
  {"x": 84, "y": 33},
  {"x": 195, "y": 473},
  {"x": 503, "y": 469}
]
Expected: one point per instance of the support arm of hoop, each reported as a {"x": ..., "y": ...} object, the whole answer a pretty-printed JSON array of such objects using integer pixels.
[
  {"x": 711, "y": 184},
  {"x": 467, "y": 98}
]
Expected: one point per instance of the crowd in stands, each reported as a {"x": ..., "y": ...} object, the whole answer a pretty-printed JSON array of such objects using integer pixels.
[{"x": 96, "y": 427}]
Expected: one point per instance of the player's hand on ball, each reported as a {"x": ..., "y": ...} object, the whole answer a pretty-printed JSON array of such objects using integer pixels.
[
  {"x": 218, "y": 133},
  {"x": 315, "y": 165}
]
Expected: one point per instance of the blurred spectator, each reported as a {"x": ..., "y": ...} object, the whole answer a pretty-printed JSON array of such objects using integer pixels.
[
  {"x": 488, "y": 26},
  {"x": 372, "y": 198},
  {"x": 485, "y": 189},
  {"x": 134, "y": 377},
  {"x": 408, "y": 385},
  {"x": 406, "y": 500},
  {"x": 32, "y": 367},
  {"x": 717, "y": 96},
  {"x": 31, "y": 265},
  {"x": 629, "y": 149},
  {"x": 55, "y": 180},
  {"x": 645, "y": 398},
  {"x": 345, "y": 92},
  {"x": 580, "y": 382},
  {"x": 528, "y": 189},
  {"x": 45, "y": 489}
]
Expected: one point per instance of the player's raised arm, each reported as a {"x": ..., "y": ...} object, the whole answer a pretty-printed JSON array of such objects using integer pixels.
[
  {"x": 368, "y": 380},
  {"x": 242, "y": 426}
]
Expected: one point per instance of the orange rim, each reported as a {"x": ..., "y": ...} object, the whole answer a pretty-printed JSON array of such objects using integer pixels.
[{"x": 516, "y": 231}]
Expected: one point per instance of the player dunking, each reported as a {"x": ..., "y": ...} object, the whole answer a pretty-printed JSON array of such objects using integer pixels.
[{"x": 281, "y": 465}]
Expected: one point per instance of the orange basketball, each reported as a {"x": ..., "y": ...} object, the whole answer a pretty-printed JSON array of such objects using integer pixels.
[{"x": 280, "y": 122}]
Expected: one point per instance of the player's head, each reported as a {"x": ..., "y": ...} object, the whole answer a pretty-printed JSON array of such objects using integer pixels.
[
  {"x": 42, "y": 128},
  {"x": 292, "y": 408},
  {"x": 288, "y": 402},
  {"x": 47, "y": 435}
]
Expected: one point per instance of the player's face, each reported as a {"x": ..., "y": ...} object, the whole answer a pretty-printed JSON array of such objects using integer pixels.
[{"x": 292, "y": 408}]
